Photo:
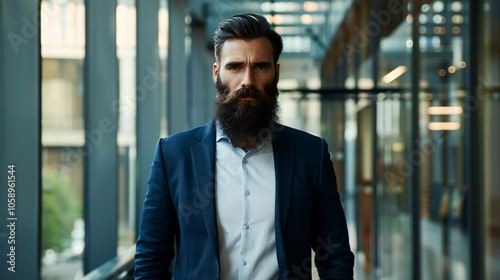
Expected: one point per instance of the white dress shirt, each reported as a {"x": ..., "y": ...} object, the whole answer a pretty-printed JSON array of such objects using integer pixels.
[{"x": 245, "y": 205}]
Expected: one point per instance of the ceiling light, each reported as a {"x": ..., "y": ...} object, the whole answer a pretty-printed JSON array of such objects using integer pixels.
[{"x": 394, "y": 74}]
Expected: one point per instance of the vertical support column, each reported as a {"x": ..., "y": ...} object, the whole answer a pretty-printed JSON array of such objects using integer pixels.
[
  {"x": 476, "y": 215},
  {"x": 148, "y": 95},
  {"x": 100, "y": 174},
  {"x": 20, "y": 141},
  {"x": 415, "y": 175},
  {"x": 177, "y": 95},
  {"x": 374, "y": 46},
  {"x": 201, "y": 87}
]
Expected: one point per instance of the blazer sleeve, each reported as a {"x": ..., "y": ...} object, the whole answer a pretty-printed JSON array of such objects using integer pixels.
[
  {"x": 330, "y": 241},
  {"x": 158, "y": 225}
]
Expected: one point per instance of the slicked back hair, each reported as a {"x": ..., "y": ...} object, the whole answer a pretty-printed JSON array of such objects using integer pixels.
[{"x": 246, "y": 27}]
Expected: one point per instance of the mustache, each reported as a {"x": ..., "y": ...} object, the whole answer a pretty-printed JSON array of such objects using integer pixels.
[{"x": 226, "y": 98}]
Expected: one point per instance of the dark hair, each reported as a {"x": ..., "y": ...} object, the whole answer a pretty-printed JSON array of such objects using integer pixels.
[{"x": 246, "y": 27}]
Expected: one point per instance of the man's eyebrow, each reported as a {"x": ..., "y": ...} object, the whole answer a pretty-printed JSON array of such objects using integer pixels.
[
  {"x": 239, "y": 63},
  {"x": 233, "y": 63}
]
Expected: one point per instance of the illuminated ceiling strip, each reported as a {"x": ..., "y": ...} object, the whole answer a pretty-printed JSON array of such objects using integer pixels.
[
  {"x": 444, "y": 126},
  {"x": 394, "y": 74},
  {"x": 445, "y": 110}
]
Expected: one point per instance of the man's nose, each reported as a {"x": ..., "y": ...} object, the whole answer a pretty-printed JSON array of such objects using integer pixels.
[{"x": 247, "y": 80}]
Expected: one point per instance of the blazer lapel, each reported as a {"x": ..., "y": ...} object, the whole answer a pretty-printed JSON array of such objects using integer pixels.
[{"x": 203, "y": 158}]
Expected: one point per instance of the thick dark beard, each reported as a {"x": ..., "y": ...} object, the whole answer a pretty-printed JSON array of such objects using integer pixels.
[{"x": 246, "y": 122}]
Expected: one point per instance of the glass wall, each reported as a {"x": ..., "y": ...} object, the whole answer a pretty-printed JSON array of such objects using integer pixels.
[
  {"x": 63, "y": 51},
  {"x": 444, "y": 84},
  {"x": 489, "y": 104},
  {"x": 126, "y": 138},
  {"x": 392, "y": 70},
  {"x": 376, "y": 43}
]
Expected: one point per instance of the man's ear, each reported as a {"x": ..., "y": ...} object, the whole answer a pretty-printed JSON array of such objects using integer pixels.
[{"x": 215, "y": 71}]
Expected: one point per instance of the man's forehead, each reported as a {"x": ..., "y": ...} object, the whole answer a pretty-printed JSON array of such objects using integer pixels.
[{"x": 258, "y": 49}]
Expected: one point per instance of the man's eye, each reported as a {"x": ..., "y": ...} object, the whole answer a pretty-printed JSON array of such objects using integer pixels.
[
  {"x": 261, "y": 67},
  {"x": 234, "y": 68}
]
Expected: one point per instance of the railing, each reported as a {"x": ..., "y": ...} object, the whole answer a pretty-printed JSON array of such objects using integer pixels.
[{"x": 118, "y": 268}]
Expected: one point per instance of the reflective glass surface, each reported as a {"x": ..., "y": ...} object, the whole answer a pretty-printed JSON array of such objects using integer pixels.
[{"x": 63, "y": 50}]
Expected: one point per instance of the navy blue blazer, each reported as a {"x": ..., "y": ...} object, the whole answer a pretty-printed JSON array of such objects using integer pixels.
[{"x": 179, "y": 209}]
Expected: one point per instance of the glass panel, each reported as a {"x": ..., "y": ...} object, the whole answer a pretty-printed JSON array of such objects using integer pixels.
[
  {"x": 163, "y": 53},
  {"x": 489, "y": 94},
  {"x": 63, "y": 51},
  {"x": 394, "y": 144},
  {"x": 126, "y": 140},
  {"x": 443, "y": 86}
]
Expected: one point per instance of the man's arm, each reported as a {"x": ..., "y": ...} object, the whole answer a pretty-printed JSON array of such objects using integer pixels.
[
  {"x": 334, "y": 258},
  {"x": 155, "y": 245}
]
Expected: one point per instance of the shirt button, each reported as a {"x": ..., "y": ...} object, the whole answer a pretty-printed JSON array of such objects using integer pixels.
[
  {"x": 247, "y": 227},
  {"x": 247, "y": 193},
  {"x": 244, "y": 262}
]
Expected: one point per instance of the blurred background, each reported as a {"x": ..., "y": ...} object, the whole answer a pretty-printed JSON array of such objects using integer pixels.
[{"x": 406, "y": 93}]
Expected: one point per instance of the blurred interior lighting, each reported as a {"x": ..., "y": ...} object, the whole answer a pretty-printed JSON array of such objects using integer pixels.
[
  {"x": 310, "y": 6},
  {"x": 422, "y": 18},
  {"x": 439, "y": 30},
  {"x": 277, "y": 19},
  {"x": 365, "y": 83},
  {"x": 288, "y": 84},
  {"x": 457, "y": 19},
  {"x": 350, "y": 83},
  {"x": 444, "y": 126},
  {"x": 442, "y": 72},
  {"x": 279, "y": 7},
  {"x": 313, "y": 83},
  {"x": 456, "y": 6},
  {"x": 445, "y": 110},
  {"x": 452, "y": 69},
  {"x": 463, "y": 64},
  {"x": 409, "y": 18},
  {"x": 438, "y": 19},
  {"x": 455, "y": 30},
  {"x": 398, "y": 147},
  {"x": 394, "y": 74},
  {"x": 306, "y": 19},
  {"x": 424, "y": 83},
  {"x": 438, "y": 6},
  {"x": 284, "y": 30}
]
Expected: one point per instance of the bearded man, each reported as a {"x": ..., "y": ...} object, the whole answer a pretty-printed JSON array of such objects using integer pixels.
[{"x": 243, "y": 197}]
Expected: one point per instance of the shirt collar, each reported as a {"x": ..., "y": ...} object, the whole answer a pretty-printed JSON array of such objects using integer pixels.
[{"x": 220, "y": 134}]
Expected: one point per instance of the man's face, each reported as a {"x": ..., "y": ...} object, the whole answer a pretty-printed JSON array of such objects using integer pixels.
[
  {"x": 246, "y": 64},
  {"x": 246, "y": 80}
]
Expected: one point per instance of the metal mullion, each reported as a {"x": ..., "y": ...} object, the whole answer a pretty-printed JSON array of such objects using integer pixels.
[
  {"x": 473, "y": 151},
  {"x": 101, "y": 124},
  {"x": 20, "y": 137},
  {"x": 148, "y": 95},
  {"x": 415, "y": 175},
  {"x": 177, "y": 94}
]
